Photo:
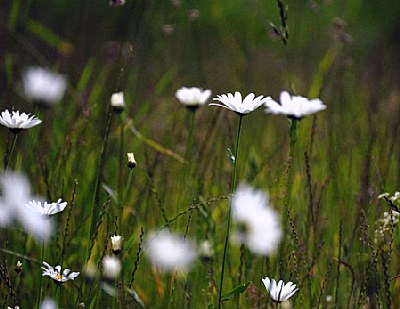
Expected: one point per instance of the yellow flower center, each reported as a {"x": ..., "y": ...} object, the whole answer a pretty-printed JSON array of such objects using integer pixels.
[{"x": 59, "y": 277}]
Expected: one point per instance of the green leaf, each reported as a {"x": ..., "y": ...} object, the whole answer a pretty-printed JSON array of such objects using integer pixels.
[{"x": 235, "y": 291}]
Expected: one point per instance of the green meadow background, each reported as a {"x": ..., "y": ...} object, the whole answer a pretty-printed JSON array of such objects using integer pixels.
[{"x": 344, "y": 52}]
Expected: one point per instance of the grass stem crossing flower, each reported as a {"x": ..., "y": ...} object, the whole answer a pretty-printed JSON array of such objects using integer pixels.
[{"x": 56, "y": 275}]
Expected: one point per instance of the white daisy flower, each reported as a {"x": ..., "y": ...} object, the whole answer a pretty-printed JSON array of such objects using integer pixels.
[
  {"x": 48, "y": 208},
  {"x": 294, "y": 106},
  {"x": 16, "y": 121},
  {"x": 111, "y": 266},
  {"x": 192, "y": 97},
  {"x": 262, "y": 232},
  {"x": 131, "y": 160},
  {"x": 40, "y": 84},
  {"x": 117, "y": 101},
  {"x": 48, "y": 303},
  {"x": 279, "y": 292},
  {"x": 56, "y": 275},
  {"x": 236, "y": 104},
  {"x": 169, "y": 251},
  {"x": 14, "y": 193},
  {"x": 116, "y": 242}
]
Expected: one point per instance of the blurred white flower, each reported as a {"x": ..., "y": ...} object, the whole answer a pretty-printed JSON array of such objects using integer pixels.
[
  {"x": 116, "y": 3},
  {"x": 251, "y": 208},
  {"x": 111, "y": 266},
  {"x": 16, "y": 121},
  {"x": 117, "y": 101},
  {"x": 48, "y": 208},
  {"x": 16, "y": 307},
  {"x": 15, "y": 193},
  {"x": 40, "y": 84},
  {"x": 279, "y": 292},
  {"x": 116, "y": 243},
  {"x": 236, "y": 104},
  {"x": 131, "y": 160},
  {"x": 192, "y": 97},
  {"x": 294, "y": 106},
  {"x": 168, "y": 251},
  {"x": 48, "y": 303},
  {"x": 56, "y": 275}
]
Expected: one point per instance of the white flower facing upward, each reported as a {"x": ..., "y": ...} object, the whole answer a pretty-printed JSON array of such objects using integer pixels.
[
  {"x": 168, "y": 251},
  {"x": 262, "y": 232},
  {"x": 15, "y": 192},
  {"x": 236, "y": 104},
  {"x": 192, "y": 97},
  {"x": 294, "y": 106},
  {"x": 56, "y": 275},
  {"x": 48, "y": 208},
  {"x": 111, "y": 266},
  {"x": 16, "y": 121},
  {"x": 40, "y": 84},
  {"x": 117, "y": 101},
  {"x": 280, "y": 291},
  {"x": 116, "y": 243}
]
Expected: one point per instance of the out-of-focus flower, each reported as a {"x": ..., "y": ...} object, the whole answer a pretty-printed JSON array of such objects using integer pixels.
[
  {"x": 168, "y": 251},
  {"x": 294, "y": 106},
  {"x": 116, "y": 3},
  {"x": 192, "y": 97},
  {"x": 206, "y": 251},
  {"x": 193, "y": 14},
  {"x": 15, "y": 192},
  {"x": 18, "y": 267},
  {"x": 16, "y": 121},
  {"x": 116, "y": 243},
  {"x": 385, "y": 225},
  {"x": 279, "y": 292},
  {"x": 41, "y": 85},
  {"x": 48, "y": 303},
  {"x": 168, "y": 29},
  {"x": 56, "y": 275},
  {"x": 131, "y": 160},
  {"x": 236, "y": 104},
  {"x": 392, "y": 198},
  {"x": 262, "y": 232},
  {"x": 16, "y": 307},
  {"x": 118, "y": 102},
  {"x": 48, "y": 208},
  {"x": 111, "y": 266}
]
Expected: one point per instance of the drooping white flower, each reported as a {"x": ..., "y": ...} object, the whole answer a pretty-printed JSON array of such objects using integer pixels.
[
  {"x": 131, "y": 160},
  {"x": 168, "y": 251},
  {"x": 236, "y": 104},
  {"x": 111, "y": 266},
  {"x": 15, "y": 192},
  {"x": 294, "y": 106},
  {"x": 16, "y": 307},
  {"x": 40, "y": 84},
  {"x": 16, "y": 121},
  {"x": 56, "y": 275},
  {"x": 279, "y": 292},
  {"x": 116, "y": 243},
  {"x": 192, "y": 97},
  {"x": 117, "y": 101},
  {"x": 251, "y": 208},
  {"x": 48, "y": 208}
]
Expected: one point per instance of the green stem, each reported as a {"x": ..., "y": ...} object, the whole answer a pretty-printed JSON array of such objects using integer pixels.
[
  {"x": 7, "y": 157},
  {"x": 233, "y": 184},
  {"x": 293, "y": 138},
  {"x": 40, "y": 280}
]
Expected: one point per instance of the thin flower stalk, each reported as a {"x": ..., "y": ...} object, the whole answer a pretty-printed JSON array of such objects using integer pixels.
[
  {"x": 233, "y": 185},
  {"x": 10, "y": 150}
]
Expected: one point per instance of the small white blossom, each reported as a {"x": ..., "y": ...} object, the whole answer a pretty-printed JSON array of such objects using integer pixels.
[
  {"x": 236, "y": 104},
  {"x": 169, "y": 251},
  {"x": 56, "y": 275},
  {"x": 294, "y": 106},
  {"x": 48, "y": 208},
  {"x": 117, "y": 100},
  {"x": 279, "y": 292},
  {"x": 116, "y": 243},
  {"x": 111, "y": 266},
  {"x": 262, "y": 232},
  {"x": 40, "y": 84},
  {"x": 16, "y": 121},
  {"x": 192, "y": 97},
  {"x": 131, "y": 160}
]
